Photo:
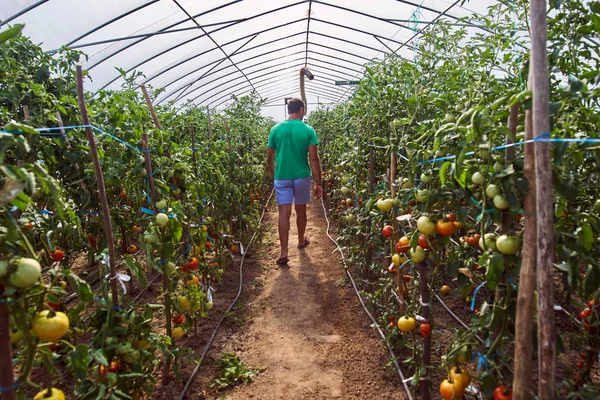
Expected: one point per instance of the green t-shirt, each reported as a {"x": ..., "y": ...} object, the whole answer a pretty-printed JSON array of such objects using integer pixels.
[{"x": 290, "y": 139}]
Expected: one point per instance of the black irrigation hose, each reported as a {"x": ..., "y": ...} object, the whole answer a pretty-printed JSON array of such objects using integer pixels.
[
  {"x": 394, "y": 359},
  {"x": 216, "y": 330}
]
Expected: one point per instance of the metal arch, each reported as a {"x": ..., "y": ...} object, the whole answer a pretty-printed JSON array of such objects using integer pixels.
[
  {"x": 331, "y": 69},
  {"x": 208, "y": 99},
  {"x": 346, "y": 41},
  {"x": 246, "y": 88},
  {"x": 250, "y": 66},
  {"x": 389, "y": 21},
  {"x": 106, "y": 23},
  {"x": 226, "y": 44},
  {"x": 274, "y": 95},
  {"x": 385, "y": 45},
  {"x": 240, "y": 52},
  {"x": 236, "y": 78},
  {"x": 341, "y": 51},
  {"x": 164, "y": 29},
  {"x": 440, "y": 15},
  {"x": 215, "y": 43},
  {"x": 157, "y": 55},
  {"x": 267, "y": 77},
  {"x": 197, "y": 55},
  {"x": 141, "y": 35},
  {"x": 307, "y": 30},
  {"x": 337, "y": 58},
  {"x": 410, "y": 3},
  {"x": 23, "y": 11},
  {"x": 355, "y": 30},
  {"x": 335, "y": 64},
  {"x": 216, "y": 65}
]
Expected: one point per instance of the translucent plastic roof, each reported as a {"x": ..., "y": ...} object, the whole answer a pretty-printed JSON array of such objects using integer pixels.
[{"x": 208, "y": 50}]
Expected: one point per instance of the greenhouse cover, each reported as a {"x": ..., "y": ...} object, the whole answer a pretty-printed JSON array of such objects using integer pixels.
[{"x": 207, "y": 51}]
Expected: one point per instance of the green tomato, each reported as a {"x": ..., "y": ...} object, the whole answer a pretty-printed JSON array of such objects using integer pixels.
[
  {"x": 421, "y": 195},
  {"x": 345, "y": 190},
  {"x": 425, "y": 225},
  {"x": 477, "y": 178},
  {"x": 161, "y": 219},
  {"x": 509, "y": 245},
  {"x": 417, "y": 254},
  {"x": 488, "y": 241},
  {"x": 384, "y": 205},
  {"x": 28, "y": 272},
  {"x": 426, "y": 178},
  {"x": 492, "y": 191},
  {"x": 161, "y": 204},
  {"x": 498, "y": 167},
  {"x": 500, "y": 202},
  {"x": 596, "y": 207},
  {"x": 349, "y": 218}
]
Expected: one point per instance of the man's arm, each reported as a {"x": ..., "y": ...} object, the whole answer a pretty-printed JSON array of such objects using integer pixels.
[
  {"x": 315, "y": 166},
  {"x": 270, "y": 161}
]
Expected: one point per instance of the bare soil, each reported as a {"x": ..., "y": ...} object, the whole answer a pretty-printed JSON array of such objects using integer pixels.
[{"x": 303, "y": 325}]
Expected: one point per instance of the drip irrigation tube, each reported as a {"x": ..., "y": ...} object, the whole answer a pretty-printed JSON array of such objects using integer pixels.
[
  {"x": 214, "y": 334},
  {"x": 394, "y": 359}
]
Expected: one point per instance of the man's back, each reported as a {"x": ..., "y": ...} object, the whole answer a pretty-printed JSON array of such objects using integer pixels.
[{"x": 291, "y": 139}]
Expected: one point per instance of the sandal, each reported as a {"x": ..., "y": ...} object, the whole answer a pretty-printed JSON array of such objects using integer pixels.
[
  {"x": 282, "y": 261},
  {"x": 305, "y": 244}
]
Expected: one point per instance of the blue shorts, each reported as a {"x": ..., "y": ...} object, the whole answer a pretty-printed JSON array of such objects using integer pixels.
[{"x": 296, "y": 190}]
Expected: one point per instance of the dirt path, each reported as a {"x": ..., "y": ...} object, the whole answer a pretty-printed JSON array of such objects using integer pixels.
[{"x": 306, "y": 327}]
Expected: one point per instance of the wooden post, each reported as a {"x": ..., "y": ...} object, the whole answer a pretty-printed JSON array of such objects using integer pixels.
[
  {"x": 193, "y": 134},
  {"x": 371, "y": 170},
  {"x": 149, "y": 176},
  {"x": 26, "y": 111},
  {"x": 6, "y": 367},
  {"x": 527, "y": 276},
  {"x": 545, "y": 214},
  {"x": 210, "y": 131},
  {"x": 101, "y": 189},
  {"x": 399, "y": 275},
  {"x": 424, "y": 289},
  {"x": 150, "y": 106}
]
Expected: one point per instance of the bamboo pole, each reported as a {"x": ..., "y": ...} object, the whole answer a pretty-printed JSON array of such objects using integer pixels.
[
  {"x": 544, "y": 200},
  {"x": 101, "y": 188},
  {"x": 150, "y": 106},
  {"x": 210, "y": 131},
  {"x": 527, "y": 276},
  {"x": 149, "y": 176},
  {"x": 6, "y": 367}
]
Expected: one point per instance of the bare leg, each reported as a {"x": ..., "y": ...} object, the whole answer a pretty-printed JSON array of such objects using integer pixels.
[
  {"x": 301, "y": 222},
  {"x": 285, "y": 211}
]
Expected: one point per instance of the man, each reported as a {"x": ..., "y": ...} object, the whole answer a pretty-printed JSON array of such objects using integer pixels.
[{"x": 290, "y": 141}]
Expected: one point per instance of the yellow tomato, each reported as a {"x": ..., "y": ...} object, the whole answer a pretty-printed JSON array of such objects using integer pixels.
[
  {"x": 178, "y": 332},
  {"x": 462, "y": 376},
  {"x": 407, "y": 324},
  {"x": 55, "y": 394},
  {"x": 50, "y": 328}
]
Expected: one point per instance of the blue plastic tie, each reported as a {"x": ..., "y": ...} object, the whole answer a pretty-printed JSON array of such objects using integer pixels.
[
  {"x": 475, "y": 295},
  {"x": 511, "y": 281},
  {"x": 8, "y": 389},
  {"x": 401, "y": 156},
  {"x": 147, "y": 210},
  {"x": 481, "y": 361},
  {"x": 104, "y": 301}
]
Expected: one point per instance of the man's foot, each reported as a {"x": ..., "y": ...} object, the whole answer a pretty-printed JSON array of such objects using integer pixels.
[
  {"x": 305, "y": 244},
  {"x": 282, "y": 261}
]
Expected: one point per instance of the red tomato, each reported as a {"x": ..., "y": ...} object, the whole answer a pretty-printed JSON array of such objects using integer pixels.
[
  {"x": 114, "y": 367},
  {"x": 583, "y": 355},
  {"x": 423, "y": 242},
  {"x": 208, "y": 245},
  {"x": 445, "y": 228},
  {"x": 57, "y": 255},
  {"x": 425, "y": 330},
  {"x": 343, "y": 203},
  {"x": 403, "y": 245},
  {"x": 391, "y": 318},
  {"x": 388, "y": 231},
  {"x": 451, "y": 217},
  {"x": 585, "y": 314},
  {"x": 580, "y": 365},
  {"x": 502, "y": 393},
  {"x": 586, "y": 326},
  {"x": 179, "y": 319},
  {"x": 193, "y": 263}
]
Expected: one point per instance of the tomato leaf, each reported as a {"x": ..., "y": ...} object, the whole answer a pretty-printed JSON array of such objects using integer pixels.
[
  {"x": 443, "y": 171},
  {"x": 78, "y": 359},
  {"x": 592, "y": 280},
  {"x": 494, "y": 271},
  {"x": 98, "y": 356},
  {"x": 10, "y": 33}
]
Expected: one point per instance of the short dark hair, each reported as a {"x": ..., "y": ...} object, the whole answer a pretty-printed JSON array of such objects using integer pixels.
[{"x": 294, "y": 106}]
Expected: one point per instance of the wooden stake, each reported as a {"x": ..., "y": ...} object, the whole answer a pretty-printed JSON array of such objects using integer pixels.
[
  {"x": 210, "y": 131},
  {"x": 101, "y": 189},
  {"x": 424, "y": 289},
  {"x": 6, "y": 367},
  {"x": 149, "y": 176},
  {"x": 544, "y": 200},
  {"x": 150, "y": 106},
  {"x": 193, "y": 134},
  {"x": 527, "y": 276}
]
